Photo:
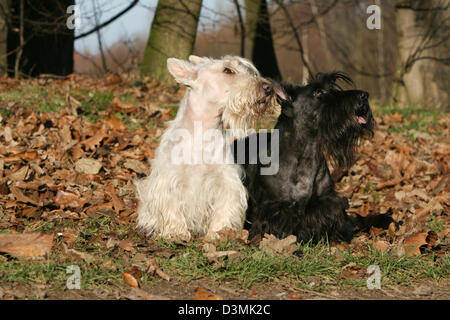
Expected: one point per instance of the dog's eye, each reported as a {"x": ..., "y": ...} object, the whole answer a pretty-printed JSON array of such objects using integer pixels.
[
  {"x": 228, "y": 71},
  {"x": 318, "y": 93}
]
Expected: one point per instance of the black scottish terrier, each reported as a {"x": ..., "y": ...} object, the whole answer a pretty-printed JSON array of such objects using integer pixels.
[{"x": 318, "y": 121}]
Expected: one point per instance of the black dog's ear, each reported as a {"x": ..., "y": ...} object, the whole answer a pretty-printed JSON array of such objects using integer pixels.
[{"x": 328, "y": 81}]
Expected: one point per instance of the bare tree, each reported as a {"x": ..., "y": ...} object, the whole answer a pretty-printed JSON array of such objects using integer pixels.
[
  {"x": 243, "y": 32},
  {"x": 99, "y": 36},
  {"x": 21, "y": 40},
  {"x": 260, "y": 39},
  {"x": 172, "y": 34},
  {"x": 4, "y": 12},
  {"x": 423, "y": 52}
]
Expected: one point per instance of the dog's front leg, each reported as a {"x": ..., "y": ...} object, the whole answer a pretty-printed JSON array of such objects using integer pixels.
[{"x": 229, "y": 208}]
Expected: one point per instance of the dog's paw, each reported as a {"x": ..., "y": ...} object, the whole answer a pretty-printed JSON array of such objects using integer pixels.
[
  {"x": 179, "y": 238},
  {"x": 212, "y": 236}
]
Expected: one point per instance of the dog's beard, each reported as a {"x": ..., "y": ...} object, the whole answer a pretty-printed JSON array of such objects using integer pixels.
[
  {"x": 340, "y": 133},
  {"x": 241, "y": 113}
]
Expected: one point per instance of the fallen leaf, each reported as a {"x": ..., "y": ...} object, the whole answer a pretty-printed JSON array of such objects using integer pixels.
[
  {"x": 135, "y": 272},
  {"x": 126, "y": 245},
  {"x": 273, "y": 244},
  {"x": 295, "y": 296},
  {"x": 22, "y": 174},
  {"x": 19, "y": 196},
  {"x": 381, "y": 245},
  {"x": 153, "y": 267},
  {"x": 111, "y": 191},
  {"x": 353, "y": 271},
  {"x": 130, "y": 280},
  {"x": 136, "y": 165},
  {"x": 115, "y": 123},
  {"x": 93, "y": 142},
  {"x": 202, "y": 294},
  {"x": 26, "y": 244},
  {"x": 68, "y": 199},
  {"x": 88, "y": 166},
  {"x": 413, "y": 243}
]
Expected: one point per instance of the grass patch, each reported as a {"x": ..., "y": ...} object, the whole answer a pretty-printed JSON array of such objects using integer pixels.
[
  {"x": 54, "y": 271},
  {"x": 413, "y": 120},
  {"x": 256, "y": 266}
]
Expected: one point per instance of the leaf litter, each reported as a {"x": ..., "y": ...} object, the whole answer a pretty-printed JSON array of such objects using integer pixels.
[{"x": 76, "y": 167}]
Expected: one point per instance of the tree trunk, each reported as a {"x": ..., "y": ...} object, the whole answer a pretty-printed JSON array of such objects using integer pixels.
[
  {"x": 418, "y": 80},
  {"x": 4, "y": 11},
  {"x": 172, "y": 34},
  {"x": 380, "y": 62},
  {"x": 48, "y": 43},
  {"x": 322, "y": 34},
  {"x": 260, "y": 42}
]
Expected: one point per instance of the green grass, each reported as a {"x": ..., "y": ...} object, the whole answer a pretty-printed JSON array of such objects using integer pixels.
[
  {"x": 32, "y": 97},
  {"x": 435, "y": 225},
  {"x": 54, "y": 271},
  {"x": 423, "y": 120},
  {"x": 256, "y": 266},
  {"x": 318, "y": 263}
]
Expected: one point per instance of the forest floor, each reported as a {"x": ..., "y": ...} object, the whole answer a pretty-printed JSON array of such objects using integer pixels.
[{"x": 71, "y": 148}]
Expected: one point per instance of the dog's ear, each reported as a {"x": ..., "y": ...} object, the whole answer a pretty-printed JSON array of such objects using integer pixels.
[
  {"x": 279, "y": 91},
  {"x": 197, "y": 60},
  {"x": 184, "y": 72},
  {"x": 328, "y": 81}
]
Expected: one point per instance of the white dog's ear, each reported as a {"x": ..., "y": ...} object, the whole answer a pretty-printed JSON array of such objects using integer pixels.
[
  {"x": 197, "y": 60},
  {"x": 183, "y": 71}
]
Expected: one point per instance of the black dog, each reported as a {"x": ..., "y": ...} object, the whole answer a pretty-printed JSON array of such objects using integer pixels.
[{"x": 318, "y": 120}]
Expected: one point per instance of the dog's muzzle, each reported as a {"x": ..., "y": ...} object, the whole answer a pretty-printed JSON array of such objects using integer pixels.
[{"x": 363, "y": 108}]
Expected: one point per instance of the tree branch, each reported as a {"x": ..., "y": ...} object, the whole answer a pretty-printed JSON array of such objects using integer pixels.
[{"x": 104, "y": 24}]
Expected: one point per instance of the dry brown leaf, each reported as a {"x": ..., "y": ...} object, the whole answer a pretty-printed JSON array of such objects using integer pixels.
[
  {"x": 444, "y": 233},
  {"x": 26, "y": 244},
  {"x": 273, "y": 244},
  {"x": 130, "y": 280},
  {"x": 93, "y": 142},
  {"x": 202, "y": 294},
  {"x": 136, "y": 165},
  {"x": 22, "y": 174},
  {"x": 68, "y": 199},
  {"x": 126, "y": 245},
  {"x": 295, "y": 296},
  {"x": 381, "y": 245},
  {"x": 353, "y": 271},
  {"x": 391, "y": 230},
  {"x": 121, "y": 106},
  {"x": 88, "y": 166},
  {"x": 413, "y": 243},
  {"x": 20, "y": 197},
  {"x": 135, "y": 272},
  {"x": 111, "y": 191},
  {"x": 153, "y": 267},
  {"x": 115, "y": 123}
]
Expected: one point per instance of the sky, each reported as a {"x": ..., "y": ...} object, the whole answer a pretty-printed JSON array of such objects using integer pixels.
[{"x": 137, "y": 21}]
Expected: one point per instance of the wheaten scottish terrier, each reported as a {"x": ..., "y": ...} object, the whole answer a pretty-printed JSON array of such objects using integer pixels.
[{"x": 194, "y": 188}]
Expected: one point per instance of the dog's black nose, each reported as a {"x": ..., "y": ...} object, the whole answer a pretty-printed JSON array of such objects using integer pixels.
[
  {"x": 364, "y": 95},
  {"x": 268, "y": 88}
]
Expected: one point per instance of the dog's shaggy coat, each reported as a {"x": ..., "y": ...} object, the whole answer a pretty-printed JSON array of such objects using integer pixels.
[
  {"x": 317, "y": 120},
  {"x": 185, "y": 195}
]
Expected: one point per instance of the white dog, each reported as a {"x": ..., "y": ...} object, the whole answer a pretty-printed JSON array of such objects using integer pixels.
[{"x": 193, "y": 187}]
